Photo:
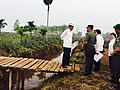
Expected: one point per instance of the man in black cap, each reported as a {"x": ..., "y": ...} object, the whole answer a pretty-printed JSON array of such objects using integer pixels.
[
  {"x": 116, "y": 58},
  {"x": 89, "y": 43}
]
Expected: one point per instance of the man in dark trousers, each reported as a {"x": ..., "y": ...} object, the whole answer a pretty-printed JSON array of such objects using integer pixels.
[
  {"x": 116, "y": 59},
  {"x": 89, "y": 43},
  {"x": 66, "y": 36}
]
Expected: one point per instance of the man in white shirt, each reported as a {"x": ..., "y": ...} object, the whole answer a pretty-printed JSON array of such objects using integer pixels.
[
  {"x": 66, "y": 36},
  {"x": 110, "y": 48},
  {"x": 98, "y": 47}
]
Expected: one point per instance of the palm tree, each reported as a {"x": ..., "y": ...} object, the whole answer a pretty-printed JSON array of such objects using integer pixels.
[
  {"x": 31, "y": 27},
  {"x": 2, "y": 24},
  {"x": 47, "y": 2}
]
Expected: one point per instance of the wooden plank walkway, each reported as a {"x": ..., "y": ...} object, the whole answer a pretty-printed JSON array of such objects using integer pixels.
[{"x": 36, "y": 65}]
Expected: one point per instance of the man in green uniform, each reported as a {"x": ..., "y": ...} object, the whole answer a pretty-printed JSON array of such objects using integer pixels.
[
  {"x": 89, "y": 43},
  {"x": 116, "y": 58}
]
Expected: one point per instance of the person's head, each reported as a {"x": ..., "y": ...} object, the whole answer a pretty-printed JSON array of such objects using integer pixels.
[
  {"x": 71, "y": 26},
  {"x": 89, "y": 28},
  {"x": 112, "y": 35},
  {"x": 117, "y": 28},
  {"x": 97, "y": 31}
]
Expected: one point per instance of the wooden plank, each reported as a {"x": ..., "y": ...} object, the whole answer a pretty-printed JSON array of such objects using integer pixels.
[
  {"x": 6, "y": 61},
  {"x": 24, "y": 63},
  {"x": 42, "y": 65},
  {"x": 54, "y": 67},
  {"x": 2, "y": 59},
  {"x": 14, "y": 61},
  {"x": 48, "y": 66},
  {"x": 17, "y": 63},
  {"x": 51, "y": 65},
  {"x": 30, "y": 64},
  {"x": 58, "y": 67},
  {"x": 37, "y": 64}
]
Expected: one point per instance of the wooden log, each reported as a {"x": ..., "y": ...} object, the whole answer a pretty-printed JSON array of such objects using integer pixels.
[
  {"x": 10, "y": 80},
  {"x": 18, "y": 80}
]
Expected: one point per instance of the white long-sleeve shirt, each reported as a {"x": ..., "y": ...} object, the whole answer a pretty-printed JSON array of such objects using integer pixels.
[
  {"x": 99, "y": 43},
  {"x": 66, "y": 36},
  {"x": 110, "y": 47}
]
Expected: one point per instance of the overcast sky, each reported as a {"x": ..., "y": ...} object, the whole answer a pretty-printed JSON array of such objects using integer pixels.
[{"x": 103, "y": 14}]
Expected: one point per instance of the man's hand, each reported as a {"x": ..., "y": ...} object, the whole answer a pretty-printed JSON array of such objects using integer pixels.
[
  {"x": 84, "y": 43},
  {"x": 115, "y": 51}
]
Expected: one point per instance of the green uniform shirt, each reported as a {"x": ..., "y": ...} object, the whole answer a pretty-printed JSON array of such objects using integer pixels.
[
  {"x": 117, "y": 42},
  {"x": 90, "y": 39}
]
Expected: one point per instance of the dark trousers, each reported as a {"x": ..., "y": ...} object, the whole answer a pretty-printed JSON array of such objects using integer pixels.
[
  {"x": 110, "y": 62},
  {"x": 66, "y": 56},
  {"x": 89, "y": 60},
  {"x": 115, "y": 68},
  {"x": 97, "y": 64}
]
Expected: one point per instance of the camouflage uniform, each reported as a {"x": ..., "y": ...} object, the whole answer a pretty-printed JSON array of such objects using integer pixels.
[
  {"x": 89, "y": 51},
  {"x": 116, "y": 62}
]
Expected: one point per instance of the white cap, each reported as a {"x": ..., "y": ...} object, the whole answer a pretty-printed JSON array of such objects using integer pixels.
[{"x": 72, "y": 24}]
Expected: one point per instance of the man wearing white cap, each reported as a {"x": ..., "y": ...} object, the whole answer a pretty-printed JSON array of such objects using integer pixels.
[{"x": 66, "y": 36}]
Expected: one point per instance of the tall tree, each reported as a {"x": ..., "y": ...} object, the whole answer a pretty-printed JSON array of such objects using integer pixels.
[
  {"x": 2, "y": 24},
  {"x": 47, "y": 2}
]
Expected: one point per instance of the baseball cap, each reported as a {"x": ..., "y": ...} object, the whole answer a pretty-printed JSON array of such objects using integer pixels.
[
  {"x": 72, "y": 24},
  {"x": 117, "y": 26}
]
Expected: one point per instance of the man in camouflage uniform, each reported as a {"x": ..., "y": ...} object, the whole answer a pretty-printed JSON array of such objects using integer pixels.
[
  {"x": 116, "y": 58},
  {"x": 89, "y": 43}
]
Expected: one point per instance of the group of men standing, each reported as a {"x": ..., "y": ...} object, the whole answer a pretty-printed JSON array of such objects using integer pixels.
[{"x": 93, "y": 44}]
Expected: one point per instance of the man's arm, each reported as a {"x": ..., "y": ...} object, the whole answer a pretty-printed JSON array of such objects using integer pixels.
[
  {"x": 85, "y": 42},
  {"x": 63, "y": 34},
  {"x": 116, "y": 51}
]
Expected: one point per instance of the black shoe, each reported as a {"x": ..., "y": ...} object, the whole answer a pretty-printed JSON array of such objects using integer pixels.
[
  {"x": 69, "y": 65},
  {"x": 95, "y": 70},
  {"x": 115, "y": 85},
  {"x": 110, "y": 80},
  {"x": 85, "y": 74},
  {"x": 64, "y": 66}
]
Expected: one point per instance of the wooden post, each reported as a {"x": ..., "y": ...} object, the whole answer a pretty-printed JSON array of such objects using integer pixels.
[
  {"x": 22, "y": 87},
  {"x": 10, "y": 79},
  {"x": 18, "y": 80}
]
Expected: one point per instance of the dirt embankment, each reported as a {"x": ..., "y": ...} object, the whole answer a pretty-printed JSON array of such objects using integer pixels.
[
  {"x": 48, "y": 53},
  {"x": 43, "y": 53}
]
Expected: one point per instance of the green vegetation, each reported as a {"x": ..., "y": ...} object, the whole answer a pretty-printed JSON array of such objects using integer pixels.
[
  {"x": 12, "y": 44},
  {"x": 29, "y": 40}
]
